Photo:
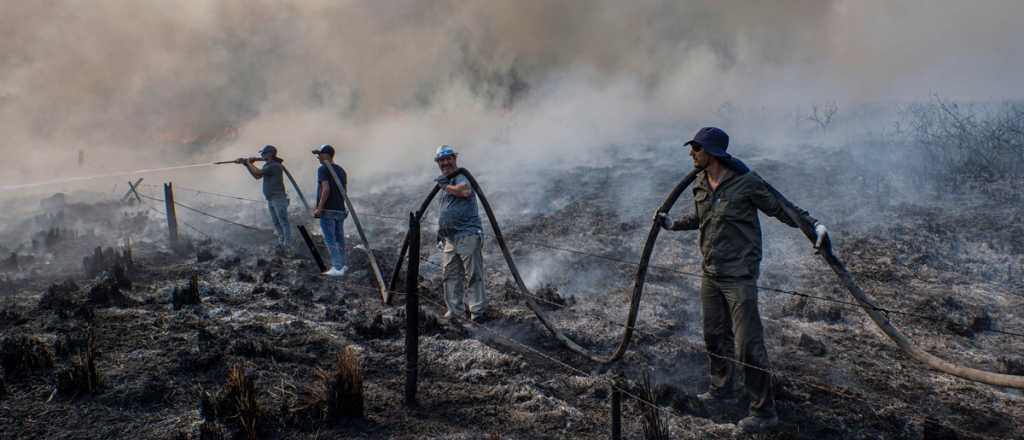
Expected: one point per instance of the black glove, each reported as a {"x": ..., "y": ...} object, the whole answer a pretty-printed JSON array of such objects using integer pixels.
[{"x": 442, "y": 180}]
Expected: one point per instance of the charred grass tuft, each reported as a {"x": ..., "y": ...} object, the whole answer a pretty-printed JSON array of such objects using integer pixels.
[
  {"x": 652, "y": 420},
  {"x": 187, "y": 295},
  {"x": 82, "y": 376},
  {"x": 236, "y": 403},
  {"x": 334, "y": 396},
  {"x": 19, "y": 355}
]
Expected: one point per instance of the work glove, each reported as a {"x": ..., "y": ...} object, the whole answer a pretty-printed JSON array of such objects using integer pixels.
[
  {"x": 661, "y": 219},
  {"x": 821, "y": 232},
  {"x": 442, "y": 180}
]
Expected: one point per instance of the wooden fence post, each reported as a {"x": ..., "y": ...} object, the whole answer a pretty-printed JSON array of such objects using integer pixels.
[
  {"x": 412, "y": 313},
  {"x": 172, "y": 218},
  {"x": 312, "y": 248},
  {"x": 616, "y": 413}
]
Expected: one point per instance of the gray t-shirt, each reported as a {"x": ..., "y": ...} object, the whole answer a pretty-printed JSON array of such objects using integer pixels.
[
  {"x": 273, "y": 180},
  {"x": 458, "y": 216}
]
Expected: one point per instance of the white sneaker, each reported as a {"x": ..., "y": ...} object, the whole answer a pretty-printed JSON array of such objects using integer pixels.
[{"x": 336, "y": 272}]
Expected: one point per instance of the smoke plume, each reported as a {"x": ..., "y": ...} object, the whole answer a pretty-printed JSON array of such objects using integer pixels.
[{"x": 150, "y": 83}]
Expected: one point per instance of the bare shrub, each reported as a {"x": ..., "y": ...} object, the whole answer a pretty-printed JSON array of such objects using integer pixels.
[
  {"x": 823, "y": 116},
  {"x": 978, "y": 142}
]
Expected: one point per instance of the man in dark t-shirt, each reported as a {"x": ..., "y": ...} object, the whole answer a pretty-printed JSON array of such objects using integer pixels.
[
  {"x": 272, "y": 174},
  {"x": 330, "y": 208},
  {"x": 461, "y": 240}
]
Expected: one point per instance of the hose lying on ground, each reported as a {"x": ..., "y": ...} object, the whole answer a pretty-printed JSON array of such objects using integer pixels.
[
  {"x": 634, "y": 304},
  {"x": 845, "y": 278},
  {"x": 901, "y": 340}
]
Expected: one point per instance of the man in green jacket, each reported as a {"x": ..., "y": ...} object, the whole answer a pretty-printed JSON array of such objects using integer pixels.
[{"x": 727, "y": 196}]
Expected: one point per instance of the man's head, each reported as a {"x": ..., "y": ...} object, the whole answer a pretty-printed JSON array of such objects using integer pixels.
[
  {"x": 268, "y": 152},
  {"x": 325, "y": 153},
  {"x": 708, "y": 145},
  {"x": 446, "y": 159}
]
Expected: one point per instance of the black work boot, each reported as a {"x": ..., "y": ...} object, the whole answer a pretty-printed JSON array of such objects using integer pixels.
[{"x": 754, "y": 424}]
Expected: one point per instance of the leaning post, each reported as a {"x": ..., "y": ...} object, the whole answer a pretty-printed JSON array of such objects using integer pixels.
[
  {"x": 616, "y": 410},
  {"x": 312, "y": 248},
  {"x": 172, "y": 218},
  {"x": 412, "y": 313}
]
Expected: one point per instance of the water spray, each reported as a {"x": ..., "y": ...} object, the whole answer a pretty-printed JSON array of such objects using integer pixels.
[{"x": 102, "y": 176}]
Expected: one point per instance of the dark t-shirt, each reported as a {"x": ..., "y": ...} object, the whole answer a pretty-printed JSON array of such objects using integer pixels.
[
  {"x": 458, "y": 216},
  {"x": 273, "y": 181},
  {"x": 335, "y": 202}
]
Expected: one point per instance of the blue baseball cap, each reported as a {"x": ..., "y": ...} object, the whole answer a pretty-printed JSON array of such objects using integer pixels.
[
  {"x": 268, "y": 149},
  {"x": 325, "y": 148},
  {"x": 443, "y": 152},
  {"x": 713, "y": 140}
]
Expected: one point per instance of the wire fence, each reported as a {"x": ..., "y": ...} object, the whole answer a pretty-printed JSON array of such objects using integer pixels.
[
  {"x": 197, "y": 211},
  {"x": 795, "y": 293},
  {"x": 210, "y": 193}
]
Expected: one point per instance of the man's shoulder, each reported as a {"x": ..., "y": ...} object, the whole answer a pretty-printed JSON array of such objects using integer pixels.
[{"x": 750, "y": 178}]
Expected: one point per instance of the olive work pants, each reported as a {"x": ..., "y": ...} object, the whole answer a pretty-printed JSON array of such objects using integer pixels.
[
  {"x": 463, "y": 264},
  {"x": 732, "y": 330}
]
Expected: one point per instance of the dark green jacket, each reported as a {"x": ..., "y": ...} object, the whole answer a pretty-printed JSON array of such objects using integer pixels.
[{"x": 730, "y": 233}]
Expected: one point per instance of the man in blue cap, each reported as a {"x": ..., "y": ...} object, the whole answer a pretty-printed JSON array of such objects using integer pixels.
[
  {"x": 272, "y": 174},
  {"x": 330, "y": 209},
  {"x": 727, "y": 196},
  {"x": 460, "y": 237}
]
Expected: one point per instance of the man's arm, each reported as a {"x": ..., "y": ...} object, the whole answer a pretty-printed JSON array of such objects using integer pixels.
[
  {"x": 771, "y": 202},
  {"x": 325, "y": 191},
  {"x": 460, "y": 190},
  {"x": 256, "y": 172},
  {"x": 686, "y": 223}
]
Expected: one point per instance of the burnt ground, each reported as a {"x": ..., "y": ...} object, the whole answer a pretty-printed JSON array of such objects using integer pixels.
[{"x": 954, "y": 261}]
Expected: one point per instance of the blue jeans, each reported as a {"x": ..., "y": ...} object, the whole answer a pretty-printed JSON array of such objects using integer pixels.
[
  {"x": 279, "y": 214},
  {"x": 332, "y": 223}
]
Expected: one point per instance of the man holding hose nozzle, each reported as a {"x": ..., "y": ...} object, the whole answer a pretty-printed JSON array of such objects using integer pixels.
[
  {"x": 460, "y": 237},
  {"x": 330, "y": 209},
  {"x": 272, "y": 174},
  {"x": 727, "y": 196}
]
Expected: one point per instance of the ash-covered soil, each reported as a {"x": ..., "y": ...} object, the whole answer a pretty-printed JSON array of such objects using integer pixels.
[{"x": 953, "y": 262}]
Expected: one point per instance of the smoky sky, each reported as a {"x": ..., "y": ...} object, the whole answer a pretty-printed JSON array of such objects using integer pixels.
[{"x": 148, "y": 80}]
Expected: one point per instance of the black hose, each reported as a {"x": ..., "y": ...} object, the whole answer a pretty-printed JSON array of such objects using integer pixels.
[
  {"x": 880, "y": 320},
  {"x": 405, "y": 243},
  {"x": 298, "y": 191},
  {"x": 634, "y": 305}
]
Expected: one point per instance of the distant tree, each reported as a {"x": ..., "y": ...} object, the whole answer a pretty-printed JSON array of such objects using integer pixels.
[{"x": 823, "y": 116}]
